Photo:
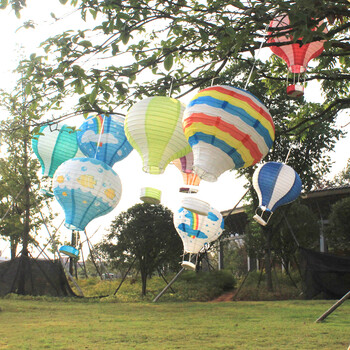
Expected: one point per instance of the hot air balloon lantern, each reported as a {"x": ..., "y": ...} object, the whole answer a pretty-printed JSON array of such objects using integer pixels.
[
  {"x": 69, "y": 251},
  {"x": 53, "y": 146},
  {"x": 153, "y": 126},
  {"x": 296, "y": 55},
  {"x": 86, "y": 188},
  {"x": 103, "y": 137},
  {"x": 227, "y": 128},
  {"x": 190, "y": 179},
  {"x": 276, "y": 184},
  {"x": 196, "y": 232}
]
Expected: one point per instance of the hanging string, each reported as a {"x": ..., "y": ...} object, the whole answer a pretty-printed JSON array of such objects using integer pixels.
[
  {"x": 101, "y": 132},
  {"x": 255, "y": 57},
  {"x": 171, "y": 87}
]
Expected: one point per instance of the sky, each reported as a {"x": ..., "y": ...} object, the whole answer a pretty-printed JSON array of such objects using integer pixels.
[{"x": 222, "y": 195}]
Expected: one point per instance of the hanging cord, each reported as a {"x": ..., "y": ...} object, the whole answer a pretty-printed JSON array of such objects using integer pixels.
[
  {"x": 101, "y": 132},
  {"x": 288, "y": 154},
  {"x": 171, "y": 87},
  {"x": 10, "y": 207},
  {"x": 255, "y": 58},
  {"x": 230, "y": 212}
]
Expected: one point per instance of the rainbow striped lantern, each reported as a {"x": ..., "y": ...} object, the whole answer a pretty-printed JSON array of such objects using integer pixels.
[
  {"x": 53, "y": 146},
  {"x": 227, "y": 128},
  {"x": 276, "y": 184},
  {"x": 190, "y": 178},
  {"x": 103, "y": 137},
  {"x": 153, "y": 127},
  {"x": 196, "y": 232},
  {"x": 85, "y": 188}
]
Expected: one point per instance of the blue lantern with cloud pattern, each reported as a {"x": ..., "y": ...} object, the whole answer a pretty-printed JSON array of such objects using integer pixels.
[
  {"x": 86, "y": 188},
  {"x": 103, "y": 137}
]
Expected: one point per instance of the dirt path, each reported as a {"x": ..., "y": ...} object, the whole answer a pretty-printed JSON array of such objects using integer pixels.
[{"x": 228, "y": 296}]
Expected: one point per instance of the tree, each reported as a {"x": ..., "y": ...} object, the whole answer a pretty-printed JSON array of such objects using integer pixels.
[
  {"x": 338, "y": 230},
  {"x": 146, "y": 233},
  {"x": 145, "y": 47},
  {"x": 343, "y": 178},
  {"x": 20, "y": 202}
]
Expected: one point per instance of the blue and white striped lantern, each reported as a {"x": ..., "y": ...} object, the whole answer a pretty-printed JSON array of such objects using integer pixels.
[{"x": 276, "y": 184}]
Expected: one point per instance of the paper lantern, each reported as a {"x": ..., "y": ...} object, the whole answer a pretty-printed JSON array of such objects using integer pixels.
[
  {"x": 276, "y": 184},
  {"x": 53, "y": 146},
  {"x": 197, "y": 231},
  {"x": 69, "y": 251},
  {"x": 295, "y": 90},
  {"x": 295, "y": 55},
  {"x": 190, "y": 179},
  {"x": 153, "y": 127},
  {"x": 85, "y": 188},
  {"x": 195, "y": 205},
  {"x": 103, "y": 137},
  {"x": 227, "y": 128},
  {"x": 150, "y": 195}
]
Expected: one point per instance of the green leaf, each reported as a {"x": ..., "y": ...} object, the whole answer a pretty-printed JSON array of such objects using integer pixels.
[
  {"x": 93, "y": 13},
  {"x": 168, "y": 62},
  {"x": 93, "y": 95},
  {"x": 63, "y": 2},
  {"x": 85, "y": 43},
  {"x": 3, "y": 4},
  {"x": 125, "y": 36},
  {"x": 28, "y": 89}
]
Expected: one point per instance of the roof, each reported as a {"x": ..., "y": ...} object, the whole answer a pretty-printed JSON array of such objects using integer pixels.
[{"x": 319, "y": 201}]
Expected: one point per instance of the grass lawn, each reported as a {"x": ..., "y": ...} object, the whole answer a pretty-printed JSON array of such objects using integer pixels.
[{"x": 86, "y": 324}]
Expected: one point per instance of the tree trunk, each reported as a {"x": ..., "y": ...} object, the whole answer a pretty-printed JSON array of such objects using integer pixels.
[
  {"x": 13, "y": 247},
  {"x": 26, "y": 229},
  {"x": 72, "y": 260},
  {"x": 143, "y": 271},
  {"x": 25, "y": 238},
  {"x": 268, "y": 236}
]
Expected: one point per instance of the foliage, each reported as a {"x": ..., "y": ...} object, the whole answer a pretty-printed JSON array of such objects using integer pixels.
[
  {"x": 254, "y": 286},
  {"x": 343, "y": 178},
  {"x": 338, "y": 230},
  {"x": 146, "y": 233},
  {"x": 144, "y": 47},
  {"x": 20, "y": 201},
  {"x": 190, "y": 286},
  {"x": 204, "y": 286}
]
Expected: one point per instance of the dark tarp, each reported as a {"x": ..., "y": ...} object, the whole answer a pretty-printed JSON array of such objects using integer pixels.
[
  {"x": 325, "y": 275},
  {"x": 28, "y": 276}
]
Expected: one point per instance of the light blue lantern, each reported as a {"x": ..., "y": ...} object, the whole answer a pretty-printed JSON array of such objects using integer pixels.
[
  {"x": 276, "y": 184},
  {"x": 69, "y": 251},
  {"x": 103, "y": 137},
  {"x": 85, "y": 188}
]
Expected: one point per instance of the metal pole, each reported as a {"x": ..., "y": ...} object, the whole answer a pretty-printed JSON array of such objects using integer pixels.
[
  {"x": 336, "y": 305},
  {"x": 169, "y": 284},
  {"x": 123, "y": 279}
]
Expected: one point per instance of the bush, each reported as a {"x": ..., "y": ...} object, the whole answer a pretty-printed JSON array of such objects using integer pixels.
[
  {"x": 190, "y": 286},
  {"x": 204, "y": 286}
]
